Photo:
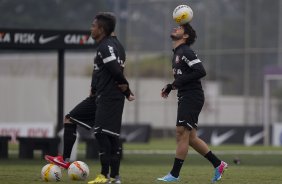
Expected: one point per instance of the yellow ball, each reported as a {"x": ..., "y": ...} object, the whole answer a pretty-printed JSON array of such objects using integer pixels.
[
  {"x": 182, "y": 14},
  {"x": 78, "y": 170},
  {"x": 51, "y": 172}
]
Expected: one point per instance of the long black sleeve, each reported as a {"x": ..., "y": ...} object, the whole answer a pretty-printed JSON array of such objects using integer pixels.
[
  {"x": 109, "y": 64},
  {"x": 198, "y": 71},
  {"x": 122, "y": 83},
  {"x": 115, "y": 70}
]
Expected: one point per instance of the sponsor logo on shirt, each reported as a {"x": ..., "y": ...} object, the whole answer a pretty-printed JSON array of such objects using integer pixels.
[{"x": 177, "y": 59}]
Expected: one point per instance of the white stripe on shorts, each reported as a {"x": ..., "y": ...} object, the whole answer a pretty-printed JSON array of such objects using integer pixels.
[
  {"x": 110, "y": 132},
  {"x": 189, "y": 125},
  {"x": 81, "y": 123}
]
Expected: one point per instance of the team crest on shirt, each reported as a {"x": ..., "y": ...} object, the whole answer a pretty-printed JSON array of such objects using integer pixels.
[
  {"x": 111, "y": 49},
  {"x": 176, "y": 59}
]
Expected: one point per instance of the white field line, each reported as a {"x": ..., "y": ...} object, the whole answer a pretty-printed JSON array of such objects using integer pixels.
[{"x": 223, "y": 152}]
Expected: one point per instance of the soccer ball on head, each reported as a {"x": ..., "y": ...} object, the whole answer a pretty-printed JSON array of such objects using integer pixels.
[
  {"x": 51, "y": 172},
  {"x": 182, "y": 14},
  {"x": 78, "y": 170}
]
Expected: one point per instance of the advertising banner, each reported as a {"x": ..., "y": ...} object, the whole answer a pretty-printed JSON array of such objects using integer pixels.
[
  {"x": 45, "y": 39},
  {"x": 15, "y": 130},
  {"x": 217, "y": 135}
]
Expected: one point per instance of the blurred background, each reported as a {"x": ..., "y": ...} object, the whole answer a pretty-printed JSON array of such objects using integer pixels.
[{"x": 238, "y": 41}]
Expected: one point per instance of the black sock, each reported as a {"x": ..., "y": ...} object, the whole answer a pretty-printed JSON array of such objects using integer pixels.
[
  {"x": 115, "y": 156},
  {"x": 69, "y": 139},
  {"x": 176, "y": 167},
  {"x": 105, "y": 163},
  {"x": 213, "y": 159},
  {"x": 115, "y": 164},
  {"x": 104, "y": 152}
]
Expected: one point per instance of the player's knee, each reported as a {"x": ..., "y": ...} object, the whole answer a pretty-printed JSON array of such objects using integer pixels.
[
  {"x": 180, "y": 131},
  {"x": 192, "y": 141},
  {"x": 67, "y": 119}
]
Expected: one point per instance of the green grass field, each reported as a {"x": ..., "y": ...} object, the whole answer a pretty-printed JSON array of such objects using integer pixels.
[{"x": 259, "y": 164}]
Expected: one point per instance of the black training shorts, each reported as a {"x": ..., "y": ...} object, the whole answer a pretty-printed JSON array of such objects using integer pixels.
[
  {"x": 189, "y": 108},
  {"x": 83, "y": 114},
  {"x": 109, "y": 115}
]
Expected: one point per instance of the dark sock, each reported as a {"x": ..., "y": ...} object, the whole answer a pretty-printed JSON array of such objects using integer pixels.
[
  {"x": 213, "y": 159},
  {"x": 105, "y": 152},
  {"x": 116, "y": 151},
  {"x": 69, "y": 139},
  {"x": 105, "y": 163},
  {"x": 176, "y": 167},
  {"x": 115, "y": 163}
]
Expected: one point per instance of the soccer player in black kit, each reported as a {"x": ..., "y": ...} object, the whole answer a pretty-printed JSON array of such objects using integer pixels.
[
  {"x": 108, "y": 88},
  {"x": 111, "y": 88},
  {"x": 187, "y": 71}
]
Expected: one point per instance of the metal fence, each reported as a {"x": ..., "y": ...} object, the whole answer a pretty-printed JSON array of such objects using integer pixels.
[{"x": 236, "y": 41}]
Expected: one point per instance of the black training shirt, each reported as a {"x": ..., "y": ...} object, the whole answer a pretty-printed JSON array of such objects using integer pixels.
[
  {"x": 187, "y": 70},
  {"x": 108, "y": 67}
]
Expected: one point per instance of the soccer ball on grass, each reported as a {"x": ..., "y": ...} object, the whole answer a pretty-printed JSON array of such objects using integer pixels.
[
  {"x": 78, "y": 170},
  {"x": 182, "y": 14},
  {"x": 51, "y": 172}
]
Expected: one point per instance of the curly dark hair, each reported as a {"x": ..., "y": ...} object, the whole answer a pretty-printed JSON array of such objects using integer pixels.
[
  {"x": 107, "y": 20},
  {"x": 188, "y": 29}
]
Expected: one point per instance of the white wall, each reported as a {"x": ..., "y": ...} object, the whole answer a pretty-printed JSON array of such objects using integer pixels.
[
  {"x": 28, "y": 93},
  {"x": 34, "y": 99}
]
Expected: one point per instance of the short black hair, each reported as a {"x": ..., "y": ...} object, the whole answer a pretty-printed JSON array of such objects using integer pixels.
[
  {"x": 188, "y": 29},
  {"x": 107, "y": 20}
]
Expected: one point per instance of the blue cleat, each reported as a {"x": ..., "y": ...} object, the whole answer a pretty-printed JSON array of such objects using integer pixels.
[
  {"x": 168, "y": 178},
  {"x": 219, "y": 171}
]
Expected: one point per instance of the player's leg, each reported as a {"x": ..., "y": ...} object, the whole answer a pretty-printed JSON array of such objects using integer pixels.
[
  {"x": 104, "y": 152},
  {"x": 115, "y": 159},
  {"x": 107, "y": 125},
  {"x": 105, "y": 158},
  {"x": 196, "y": 103},
  {"x": 182, "y": 141},
  {"x": 201, "y": 147},
  {"x": 69, "y": 138},
  {"x": 83, "y": 114},
  {"x": 115, "y": 126}
]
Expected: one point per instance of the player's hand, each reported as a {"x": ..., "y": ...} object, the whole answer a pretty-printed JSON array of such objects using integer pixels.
[
  {"x": 126, "y": 91},
  {"x": 131, "y": 97},
  {"x": 166, "y": 90}
]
